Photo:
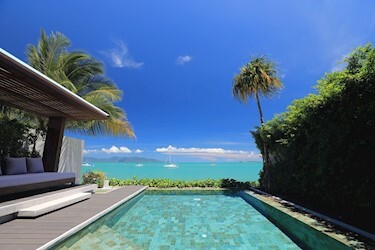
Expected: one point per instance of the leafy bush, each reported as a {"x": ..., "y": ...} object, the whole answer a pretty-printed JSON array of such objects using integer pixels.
[
  {"x": 167, "y": 183},
  {"x": 18, "y": 138},
  {"x": 94, "y": 177},
  {"x": 13, "y": 138},
  {"x": 322, "y": 148}
]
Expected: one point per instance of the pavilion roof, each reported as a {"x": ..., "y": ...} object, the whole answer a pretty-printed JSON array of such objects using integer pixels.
[{"x": 24, "y": 87}]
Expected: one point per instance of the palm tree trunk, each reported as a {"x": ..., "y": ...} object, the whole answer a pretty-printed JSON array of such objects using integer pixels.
[
  {"x": 259, "y": 108},
  {"x": 266, "y": 160}
]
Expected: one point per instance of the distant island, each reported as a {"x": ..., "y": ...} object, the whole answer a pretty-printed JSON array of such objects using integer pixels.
[{"x": 119, "y": 159}]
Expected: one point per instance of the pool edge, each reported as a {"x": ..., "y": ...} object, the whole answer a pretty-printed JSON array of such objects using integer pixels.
[
  {"x": 273, "y": 209},
  {"x": 84, "y": 224}
]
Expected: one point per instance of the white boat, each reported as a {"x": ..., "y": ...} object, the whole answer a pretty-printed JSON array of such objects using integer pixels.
[
  {"x": 139, "y": 165},
  {"x": 169, "y": 163},
  {"x": 86, "y": 164}
]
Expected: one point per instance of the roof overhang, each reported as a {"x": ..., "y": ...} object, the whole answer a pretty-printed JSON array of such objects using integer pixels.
[{"x": 24, "y": 87}]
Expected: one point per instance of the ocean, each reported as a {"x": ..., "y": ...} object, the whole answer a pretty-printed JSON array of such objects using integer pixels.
[{"x": 240, "y": 171}]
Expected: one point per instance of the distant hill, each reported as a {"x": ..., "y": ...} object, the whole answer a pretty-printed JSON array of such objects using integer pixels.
[{"x": 119, "y": 159}]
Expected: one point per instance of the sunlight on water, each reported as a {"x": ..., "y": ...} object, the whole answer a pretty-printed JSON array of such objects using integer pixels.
[{"x": 241, "y": 171}]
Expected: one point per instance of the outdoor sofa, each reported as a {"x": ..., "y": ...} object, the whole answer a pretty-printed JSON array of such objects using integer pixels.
[{"x": 26, "y": 174}]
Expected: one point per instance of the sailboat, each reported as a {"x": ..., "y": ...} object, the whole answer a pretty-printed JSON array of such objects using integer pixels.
[
  {"x": 86, "y": 164},
  {"x": 169, "y": 163}
]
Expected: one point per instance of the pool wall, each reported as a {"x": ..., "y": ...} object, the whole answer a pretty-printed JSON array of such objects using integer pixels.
[
  {"x": 87, "y": 226},
  {"x": 299, "y": 230},
  {"x": 303, "y": 234}
]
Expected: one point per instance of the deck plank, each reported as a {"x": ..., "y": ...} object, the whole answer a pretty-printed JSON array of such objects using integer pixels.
[
  {"x": 32, "y": 233},
  {"x": 19, "y": 246}
]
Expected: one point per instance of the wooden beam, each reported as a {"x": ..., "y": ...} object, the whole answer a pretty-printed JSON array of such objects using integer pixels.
[
  {"x": 12, "y": 68},
  {"x": 52, "y": 146},
  {"x": 19, "y": 97}
]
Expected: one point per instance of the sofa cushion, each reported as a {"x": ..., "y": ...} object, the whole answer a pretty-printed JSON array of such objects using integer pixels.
[
  {"x": 34, "y": 165},
  {"x": 27, "y": 179},
  {"x": 15, "y": 166}
]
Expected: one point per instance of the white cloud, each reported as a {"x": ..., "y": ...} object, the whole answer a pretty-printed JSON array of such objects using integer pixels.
[
  {"x": 338, "y": 67},
  {"x": 113, "y": 150},
  {"x": 340, "y": 64},
  {"x": 120, "y": 56},
  {"x": 228, "y": 143},
  {"x": 116, "y": 150},
  {"x": 335, "y": 37},
  {"x": 211, "y": 153},
  {"x": 181, "y": 60},
  {"x": 88, "y": 151}
]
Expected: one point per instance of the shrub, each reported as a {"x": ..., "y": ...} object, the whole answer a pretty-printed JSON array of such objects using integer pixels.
[
  {"x": 18, "y": 138},
  {"x": 323, "y": 146},
  {"x": 94, "y": 177},
  {"x": 13, "y": 138},
  {"x": 167, "y": 183}
]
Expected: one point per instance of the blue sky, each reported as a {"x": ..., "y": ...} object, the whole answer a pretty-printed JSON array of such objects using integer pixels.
[{"x": 175, "y": 62}]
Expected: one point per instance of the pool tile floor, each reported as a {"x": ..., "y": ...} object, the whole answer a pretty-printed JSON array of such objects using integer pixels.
[{"x": 186, "y": 222}]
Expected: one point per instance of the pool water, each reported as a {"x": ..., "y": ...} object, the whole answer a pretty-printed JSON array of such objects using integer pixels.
[{"x": 182, "y": 220}]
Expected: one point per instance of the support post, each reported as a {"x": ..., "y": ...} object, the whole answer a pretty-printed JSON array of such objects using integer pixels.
[{"x": 53, "y": 143}]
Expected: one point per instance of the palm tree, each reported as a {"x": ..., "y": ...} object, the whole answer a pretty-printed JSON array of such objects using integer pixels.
[
  {"x": 83, "y": 75},
  {"x": 258, "y": 78}
]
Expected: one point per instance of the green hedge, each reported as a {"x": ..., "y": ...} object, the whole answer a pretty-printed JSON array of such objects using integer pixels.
[
  {"x": 168, "y": 183},
  {"x": 323, "y": 147}
]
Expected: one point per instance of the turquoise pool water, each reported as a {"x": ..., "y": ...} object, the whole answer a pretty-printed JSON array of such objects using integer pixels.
[
  {"x": 182, "y": 220},
  {"x": 241, "y": 171}
]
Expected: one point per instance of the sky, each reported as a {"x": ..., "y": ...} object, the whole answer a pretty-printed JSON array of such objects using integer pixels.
[{"x": 175, "y": 62}]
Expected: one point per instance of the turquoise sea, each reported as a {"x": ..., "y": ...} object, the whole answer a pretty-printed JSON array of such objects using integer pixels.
[{"x": 240, "y": 171}]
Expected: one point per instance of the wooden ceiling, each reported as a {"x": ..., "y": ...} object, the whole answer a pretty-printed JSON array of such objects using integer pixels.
[{"x": 23, "y": 87}]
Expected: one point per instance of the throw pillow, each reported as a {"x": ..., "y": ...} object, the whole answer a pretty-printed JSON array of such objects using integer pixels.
[
  {"x": 34, "y": 165},
  {"x": 15, "y": 166}
]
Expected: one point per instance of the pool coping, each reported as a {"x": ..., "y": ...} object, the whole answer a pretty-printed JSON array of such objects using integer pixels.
[
  {"x": 189, "y": 189},
  {"x": 82, "y": 225},
  {"x": 308, "y": 217},
  {"x": 273, "y": 201}
]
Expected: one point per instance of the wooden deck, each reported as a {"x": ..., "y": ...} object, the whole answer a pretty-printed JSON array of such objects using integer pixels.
[{"x": 34, "y": 233}]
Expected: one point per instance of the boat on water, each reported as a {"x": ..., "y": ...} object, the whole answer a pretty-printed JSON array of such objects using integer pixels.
[
  {"x": 86, "y": 164},
  {"x": 169, "y": 163},
  {"x": 139, "y": 165},
  {"x": 213, "y": 164}
]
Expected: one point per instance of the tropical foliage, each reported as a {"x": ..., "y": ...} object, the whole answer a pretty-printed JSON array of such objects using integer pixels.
[
  {"x": 83, "y": 75},
  {"x": 258, "y": 78},
  {"x": 94, "y": 177},
  {"x": 19, "y": 132},
  {"x": 14, "y": 138},
  {"x": 322, "y": 148},
  {"x": 168, "y": 183}
]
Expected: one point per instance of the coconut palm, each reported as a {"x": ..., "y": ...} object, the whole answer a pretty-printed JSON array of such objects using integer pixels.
[
  {"x": 258, "y": 78},
  {"x": 83, "y": 75}
]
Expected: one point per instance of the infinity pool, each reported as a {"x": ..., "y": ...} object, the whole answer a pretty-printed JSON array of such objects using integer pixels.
[{"x": 182, "y": 220}]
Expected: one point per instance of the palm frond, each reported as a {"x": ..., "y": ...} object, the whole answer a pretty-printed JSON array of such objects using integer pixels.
[
  {"x": 106, "y": 127},
  {"x": 83, "y": 75},
  {"x": 58, "y": 44},
  {"x": 259, "y": 76},
  {"x": 110, "y": 94}
]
